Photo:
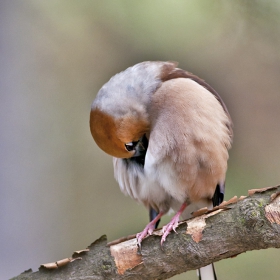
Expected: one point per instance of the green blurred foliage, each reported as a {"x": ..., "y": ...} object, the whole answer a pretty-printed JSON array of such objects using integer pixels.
[{"x": 57, "y": 190}]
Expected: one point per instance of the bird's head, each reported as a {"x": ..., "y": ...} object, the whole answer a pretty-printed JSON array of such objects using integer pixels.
[{"x": 119, "y": 117}]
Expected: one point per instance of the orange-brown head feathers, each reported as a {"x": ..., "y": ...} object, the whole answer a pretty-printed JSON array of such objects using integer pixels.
[{"x": 112, "y": 134}]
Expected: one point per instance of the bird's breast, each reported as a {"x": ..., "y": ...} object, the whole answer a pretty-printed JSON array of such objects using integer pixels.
[{"x": 136, "y": 182}]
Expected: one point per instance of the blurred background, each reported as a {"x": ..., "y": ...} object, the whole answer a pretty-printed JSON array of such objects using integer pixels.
[{"x": 57, "y": 191}]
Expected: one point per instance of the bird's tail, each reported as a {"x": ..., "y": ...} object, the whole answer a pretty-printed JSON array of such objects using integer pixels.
[{"x": 207, "y": 273}]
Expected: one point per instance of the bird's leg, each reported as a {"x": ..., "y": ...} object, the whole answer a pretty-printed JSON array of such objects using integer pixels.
[
  {"x": 172, "y": 225},
  {"x": 148, "y": 230}
]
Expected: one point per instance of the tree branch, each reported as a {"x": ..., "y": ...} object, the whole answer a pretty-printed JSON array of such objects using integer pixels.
[{"x": 240, "y": 225}]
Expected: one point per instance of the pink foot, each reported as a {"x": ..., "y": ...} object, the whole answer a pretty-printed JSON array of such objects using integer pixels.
[
  {"x": 148, "y": 230},
  {"x": 173, "y": 224}
]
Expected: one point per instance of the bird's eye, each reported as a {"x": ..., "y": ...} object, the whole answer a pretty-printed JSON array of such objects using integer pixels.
[{"x": 130, "y": 146}]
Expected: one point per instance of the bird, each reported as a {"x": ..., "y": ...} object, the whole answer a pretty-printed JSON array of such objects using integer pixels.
[{"x": 169, "y": 133}]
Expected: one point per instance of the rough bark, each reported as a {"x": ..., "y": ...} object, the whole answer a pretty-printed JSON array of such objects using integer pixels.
[{"x": 245, "y": 224}]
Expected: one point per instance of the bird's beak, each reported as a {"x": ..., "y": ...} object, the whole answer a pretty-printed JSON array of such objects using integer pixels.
[{"x": 141, "y": 147}]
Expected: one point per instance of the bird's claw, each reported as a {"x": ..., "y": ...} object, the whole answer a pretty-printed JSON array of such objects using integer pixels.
[
  {"x": 148, "y": 230},
  {"x": 172, "y": 225}
]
